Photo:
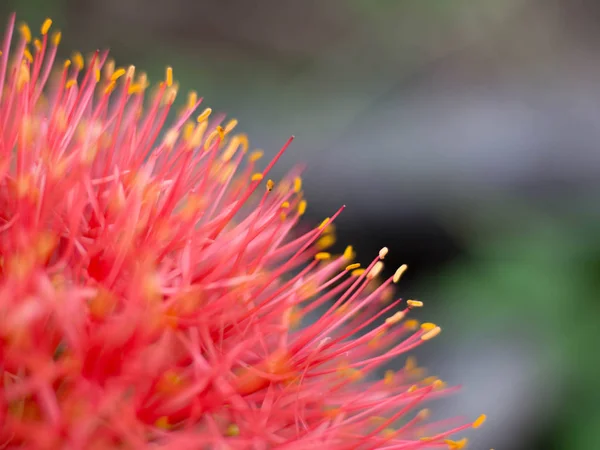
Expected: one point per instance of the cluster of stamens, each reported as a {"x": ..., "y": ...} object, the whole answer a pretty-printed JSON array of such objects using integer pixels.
[{"x": 153, "y": 287}]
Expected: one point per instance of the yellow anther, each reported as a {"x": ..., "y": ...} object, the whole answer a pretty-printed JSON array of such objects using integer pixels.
[
  {"x": 37, "y": 44},
  {"x": 324, "y": 223},
  {"x": 98, "y": 75},
  {"x": 412, "y": 389},
  {"x": 28, "y": 56},
  {"x": 301, "y": 207},
  {"x": 349, "y": 253},
  {"x": 117, "y": 74},
  {"x": 270, "y": 185},
  {"x": 78, "y": 60},
  {"x": 389, "y": 433},
  {"x": 423, "y": 414},
  {"x": 192, "y": 99},
  {"x": 414, "y": 303},
  {"x": 69, "y": 84},
  {"x": 111, "y": 87},
  {"x": 24, "y": 76},
  {"x": 170, "y": 138},
  {"x": 456, "y": 445},
  {"x": 232, "y": 430},
  {"x": 171, "y": 94},
  {"x": 438, "y": 384},
  {"x": 188, "y": 129},
  {"x": 204, "y": 115},
  {"x": 255, "y": 155},
  {"x": 375, "y": 271},
  {"x": 411, "y": 324},
  {"x": 383, "y": 252},
  {"x": 212, "y": 137},
  {"x": 480, "y": 420},
  {"x": 351, "y": 373},
  {"x": 325, "y": 242},
  {"x": 294, "y": 317},
  {"x": 428, "y": 326},
  {"x": 162, "y": 422},
  {"x": 410, "y": 364},
  {"x": 399, "y": 272},
  {"x": 25, "y": 32},
  {"x": 297, "y": 184},
  {"x": 388, "y": 377},
  {"x": 431, "y": 334},
  {"x": 352, "y": 266},
  {"x": 257, "y": 177},
  {"x": 142, "y": 79},
  {"x": 243, "y": 142},
  {"x": 56, "y": 37},
  {"x": 67, "y": 64},
  {"x": 230, "y": 150},
  {"x": 309, "y": 289},
  {"x": 46, "y": 26},
  {"x": 331, "y": 412},
  {"x": 357, "y": 272},
  {"x": 230, "y": 125},
  {"x": 395, "y": 318},
  {"x": 429, "y": 380},
  {"x": 377, "y": 420},
  {"x": 285, "y": 205},
  {"x": 196, "y": 137},
  {"x": 135, "y": 88},
  {"x": 322, "y": 256},
  {"x": 169, "y": 76}
]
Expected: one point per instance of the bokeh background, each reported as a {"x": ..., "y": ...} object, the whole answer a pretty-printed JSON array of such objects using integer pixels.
[{"x": 464, "y": 135}]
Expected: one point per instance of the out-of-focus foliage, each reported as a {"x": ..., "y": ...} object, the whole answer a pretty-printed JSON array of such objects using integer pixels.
[{"x": 539, "y": 273}]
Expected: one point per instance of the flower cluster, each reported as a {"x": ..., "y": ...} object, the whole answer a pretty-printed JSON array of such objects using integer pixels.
[{"x": 153, "y": 288}]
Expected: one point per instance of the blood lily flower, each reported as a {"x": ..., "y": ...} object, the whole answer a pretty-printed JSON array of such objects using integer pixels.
[{"x": 153, "y": 287}]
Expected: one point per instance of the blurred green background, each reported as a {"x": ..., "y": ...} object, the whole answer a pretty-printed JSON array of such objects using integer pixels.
[{"x": 463, "y": 135}]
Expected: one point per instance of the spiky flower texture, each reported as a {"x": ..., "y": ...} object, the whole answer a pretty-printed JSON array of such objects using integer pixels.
[{"x": 152, "y": 289}]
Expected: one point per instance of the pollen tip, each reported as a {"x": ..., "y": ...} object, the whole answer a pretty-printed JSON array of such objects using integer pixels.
[
  {"x": 349, "y": 253},
  {"x": 169, "y": 76},
  {"x": 479, "y": 421},
  {"x": 56, "y": 38},
  {"x": 25, "y": 32},
  {"x": 302, "y": 207},
  {"x": 414, "y": 303},
  {"x": 395, "y": 318},
  {"x": 351, "y": 267},
  {"x": 399, "y": 272},
  {"x": 297, "y": 184},
  {"x": 375, "y": 271},
  {"x": 232, "y": 430},
  {"x": 46, "y": 26},
  {"x": 322, "y": 256},
  {"x": 204, "y": 115},
  {"x": 431, "y": 334},
  {"x": 255, "y": 155}
]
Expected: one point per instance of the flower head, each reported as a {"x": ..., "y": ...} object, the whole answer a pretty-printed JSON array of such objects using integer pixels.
[{"x": 152, "y": 288}]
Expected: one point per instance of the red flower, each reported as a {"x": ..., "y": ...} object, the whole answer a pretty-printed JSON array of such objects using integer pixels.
[{"x": 152, "y": 290}]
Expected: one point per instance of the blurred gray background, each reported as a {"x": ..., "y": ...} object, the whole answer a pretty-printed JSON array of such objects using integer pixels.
[{"x": 461, "y": 134}]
